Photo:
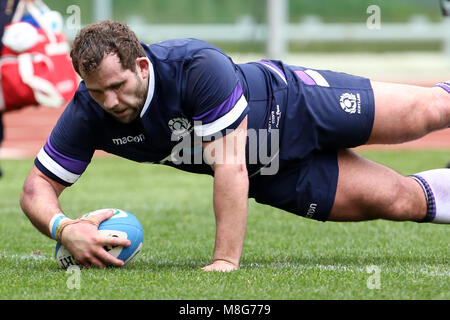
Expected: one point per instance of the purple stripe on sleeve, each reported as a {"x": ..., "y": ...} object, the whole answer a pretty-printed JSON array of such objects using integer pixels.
[
  {"x": 223, "y": 108},
  {"x": 305, "y": 77},
  {"x": 444, "y": 85},
  {"x": 72, "y": 165}
]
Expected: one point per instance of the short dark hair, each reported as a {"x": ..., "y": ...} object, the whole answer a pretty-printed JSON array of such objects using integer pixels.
[{"x": 97, "y": 40}]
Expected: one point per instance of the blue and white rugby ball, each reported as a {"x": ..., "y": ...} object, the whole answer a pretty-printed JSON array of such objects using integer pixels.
[{"x": 123, "y": 225}]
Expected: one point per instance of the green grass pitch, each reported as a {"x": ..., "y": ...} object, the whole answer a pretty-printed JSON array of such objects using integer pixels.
[{"x": 285, "y": 257}]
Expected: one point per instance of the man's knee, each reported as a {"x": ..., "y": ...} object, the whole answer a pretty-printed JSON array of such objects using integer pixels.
[
  {"x": 405, "y": 201},
  {"x": 438, "y": 108},
  {"x": 428, "y": 113}
]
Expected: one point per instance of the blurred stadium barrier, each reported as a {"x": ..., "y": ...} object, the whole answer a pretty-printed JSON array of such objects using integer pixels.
[
  {"x": 310, "y": 29},
  {"x": 277, "y": 32}
]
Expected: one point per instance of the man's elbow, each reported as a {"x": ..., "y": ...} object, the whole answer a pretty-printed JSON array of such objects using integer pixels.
[
  {"x": 36, "y": 185},
  {"x": 27, "y": 192},
  {"x": 232, "y": 168},
  {"x": 242, "y": 170}
]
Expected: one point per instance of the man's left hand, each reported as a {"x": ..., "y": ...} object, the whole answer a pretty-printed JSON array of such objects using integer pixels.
[{"x": 221, "y": 265}]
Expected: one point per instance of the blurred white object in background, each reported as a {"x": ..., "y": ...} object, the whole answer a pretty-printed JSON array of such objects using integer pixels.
[{"x": 20, "y": 36}]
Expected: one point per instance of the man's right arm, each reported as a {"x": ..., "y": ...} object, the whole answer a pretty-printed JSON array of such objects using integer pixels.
[{"x": 39, "y": 201}]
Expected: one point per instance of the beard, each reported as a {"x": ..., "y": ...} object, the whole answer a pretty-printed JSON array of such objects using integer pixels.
[{"x": 133, "y": 109}]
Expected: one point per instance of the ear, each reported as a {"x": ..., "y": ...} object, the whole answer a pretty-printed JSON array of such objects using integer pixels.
[{"x": 142, "y": 67}]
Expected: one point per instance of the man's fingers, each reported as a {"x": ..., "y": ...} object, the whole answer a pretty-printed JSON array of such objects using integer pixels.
[
  {"x": 100, "y": 258},
  {"x": 221, "y": 266},
  {"x": 106, "y": 257},
  {"x": 98, "y": 217},
  {"x": 97, "y": 262},
  {"x": 96, "y": 255},
  {"x": 105, "y": 215},
  {"x": 114, "y": 241},
  {"x": 109, "y": 259}
]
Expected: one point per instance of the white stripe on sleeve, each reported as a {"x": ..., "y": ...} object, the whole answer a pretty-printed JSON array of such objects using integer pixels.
[
  {"x": 317, "y": 77},
  {"x": 224, "y": 121},
  {"x": 55, "y": 168},
  {"x": 276, "y": 71}
]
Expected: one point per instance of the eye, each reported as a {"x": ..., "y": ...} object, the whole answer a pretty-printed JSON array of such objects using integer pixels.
[{"x": 117, "y": 86}]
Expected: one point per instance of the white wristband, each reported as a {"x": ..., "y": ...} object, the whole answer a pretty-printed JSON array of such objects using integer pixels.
[{"x": 57, "y": 218}]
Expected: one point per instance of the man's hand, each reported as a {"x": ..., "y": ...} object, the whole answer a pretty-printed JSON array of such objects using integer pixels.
[
  {"x": 221, "y": 265},
  {"x": 86, "y": 244},
  {"x": 39, "y": 201}
]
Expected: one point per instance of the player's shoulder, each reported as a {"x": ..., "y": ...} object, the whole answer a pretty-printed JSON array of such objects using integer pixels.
[{"x": 183, "y": 49}]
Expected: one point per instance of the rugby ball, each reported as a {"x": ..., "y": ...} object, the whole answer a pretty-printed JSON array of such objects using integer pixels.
[{"x": 123, "y": 225}]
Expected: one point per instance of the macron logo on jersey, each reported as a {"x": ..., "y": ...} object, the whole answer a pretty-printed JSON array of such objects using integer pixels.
[{"x": 125, "y": 140}]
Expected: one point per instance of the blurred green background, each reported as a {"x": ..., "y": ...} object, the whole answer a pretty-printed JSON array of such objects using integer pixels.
[
  {"x": 233, "y": 11},
  {"x": 229, "y": 11}
]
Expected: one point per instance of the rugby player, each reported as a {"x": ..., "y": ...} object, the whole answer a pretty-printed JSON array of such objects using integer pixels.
[{"x": 142, "y": 101}]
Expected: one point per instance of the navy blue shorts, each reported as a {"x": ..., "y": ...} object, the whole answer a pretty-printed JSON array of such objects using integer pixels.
[{"x": 324, "y": 111}]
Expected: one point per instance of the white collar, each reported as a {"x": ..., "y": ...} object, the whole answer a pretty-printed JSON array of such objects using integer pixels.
[{"x": 151, "y": 88}]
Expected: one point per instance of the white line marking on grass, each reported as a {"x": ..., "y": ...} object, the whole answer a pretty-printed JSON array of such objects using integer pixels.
[
  {"x": 293, "y": 266},
  {"x": 433, "y": 271},
  {"x": 24, "y": 256}
]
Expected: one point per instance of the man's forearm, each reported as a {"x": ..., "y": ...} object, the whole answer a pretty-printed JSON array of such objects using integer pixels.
[
  {"x": 39, "y": 200},
  {"x": 231, "y": 207}
]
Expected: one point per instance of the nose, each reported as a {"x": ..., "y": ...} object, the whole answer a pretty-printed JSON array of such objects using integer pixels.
[{"x": 111, "y": 100}]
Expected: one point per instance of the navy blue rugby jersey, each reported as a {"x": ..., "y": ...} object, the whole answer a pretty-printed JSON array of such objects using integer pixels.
[{"x": 195, "y": 90}]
